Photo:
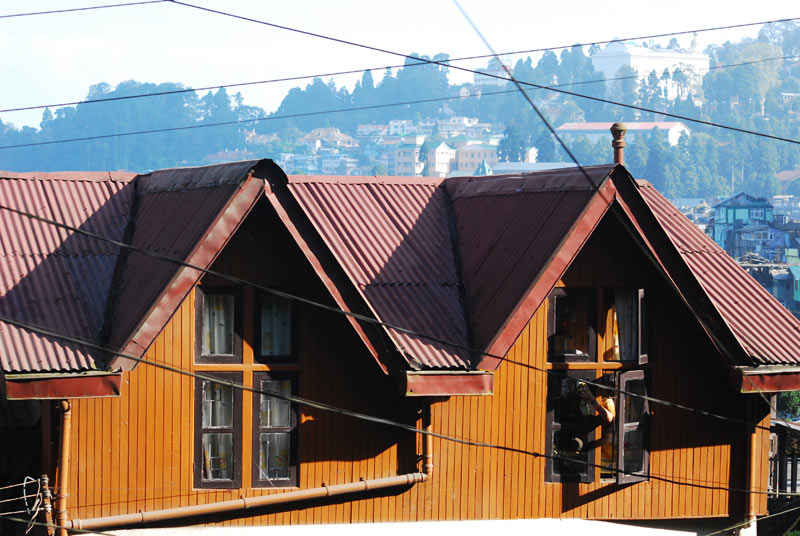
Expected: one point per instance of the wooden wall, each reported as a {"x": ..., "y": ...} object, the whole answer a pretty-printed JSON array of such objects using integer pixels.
[{"x": 135, "y": 452}]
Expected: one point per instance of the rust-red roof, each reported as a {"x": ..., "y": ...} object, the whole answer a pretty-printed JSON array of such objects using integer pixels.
[
  {"x": 767, "y": 332},
  {"x": 392, "y": 238},
  {"x": 52, "y": 277},
  {"x": 84, "y": 287},
  {"x": 508, "y": 228}
]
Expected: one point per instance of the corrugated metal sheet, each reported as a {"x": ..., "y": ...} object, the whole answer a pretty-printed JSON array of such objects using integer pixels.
[
  {"x": 176, "y": 212},
  {"x": 392, "y": 238},
  {"x": 52, "y": 277},
  {"x": 767, "y": 332},
  {"x": 508, "y": 229},
  {"x": 84, "y": 287}
]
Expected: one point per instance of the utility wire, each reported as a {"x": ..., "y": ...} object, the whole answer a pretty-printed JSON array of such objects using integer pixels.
[
  {"x": 337, "y": 73},
  {"x": 370, "y": 418},
  {"x": 74, "y": 9},
  {"x": 360, "y": 317},
  {"x": 573, "y": 158},
  {"x": 746, "y": 523},
  {"x": 490, "y": 75},
  {"x": 59, "y": 527}
]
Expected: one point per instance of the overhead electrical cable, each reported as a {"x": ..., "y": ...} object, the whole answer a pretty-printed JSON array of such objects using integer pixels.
[
  {"x": 694, "y": 483},
  {"x": 594, "y": 186},
  {"x": 357, "y": 316},
  {"x": 332, "y": 74},
  {"x": 87, "y": 8}
]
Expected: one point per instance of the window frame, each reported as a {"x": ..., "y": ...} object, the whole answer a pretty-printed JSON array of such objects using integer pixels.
[
  {"x": 235, "y": 358},
  {"x": 236, "y": 432},
  {"x": 591, "y": 329},
  {"x": 293, "y": 430},
  {"x": 625, "y": 426},
  {"x": 553, "y": 426}
]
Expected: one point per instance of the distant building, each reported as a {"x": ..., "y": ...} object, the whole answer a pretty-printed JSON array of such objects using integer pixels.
[
  {"x": 736, "y": 212},
  {"x": 644, "y": 60},
  {"x": 494, "y": 74},
  {"x": 787, "y": 206},
  {"x": 399, "y": 127},
  {"x": 406, "y": 160},
  {"x": 469, "y": 157},
  {"x": 440, "y": 161},
  {"x": 670, "y": 130},
  {"x": 329, "y": 137}
]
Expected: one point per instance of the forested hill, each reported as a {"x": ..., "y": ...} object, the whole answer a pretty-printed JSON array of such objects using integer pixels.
[{"x": 752, "y": 86}]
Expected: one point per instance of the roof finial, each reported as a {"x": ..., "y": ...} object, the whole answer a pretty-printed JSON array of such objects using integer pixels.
[{"x": 618, "y": 143}]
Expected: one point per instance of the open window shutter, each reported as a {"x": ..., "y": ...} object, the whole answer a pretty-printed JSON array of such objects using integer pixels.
[
  {"x": 633, "y": 431},
  {"x": 643, "y": 326}
]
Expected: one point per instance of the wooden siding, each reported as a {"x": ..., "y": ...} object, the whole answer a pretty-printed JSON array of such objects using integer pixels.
[{"x": 135, "y": 452}]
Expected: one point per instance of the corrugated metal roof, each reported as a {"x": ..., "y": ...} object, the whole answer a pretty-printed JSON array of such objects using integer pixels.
[
  {"x": 84, "y": 287},
  {"x": 767, "y": 332},
  {"x": 508, "y": 228},
  {"x": 52, "y": 277},
  {"x": 392, "y": 238}
]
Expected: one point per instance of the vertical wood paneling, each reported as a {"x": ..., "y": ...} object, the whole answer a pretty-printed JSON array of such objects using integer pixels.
[{"x": 136, "y": 452}]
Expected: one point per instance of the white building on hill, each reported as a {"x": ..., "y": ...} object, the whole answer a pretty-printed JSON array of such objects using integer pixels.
[
  {"x": 692, "y": 63},
  {"x": 671, "y": 130}
]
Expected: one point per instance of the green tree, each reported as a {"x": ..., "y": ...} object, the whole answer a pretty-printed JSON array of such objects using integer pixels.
[{"x": 512, "y": 146}]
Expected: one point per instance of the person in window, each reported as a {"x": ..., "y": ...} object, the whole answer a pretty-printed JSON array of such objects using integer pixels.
[{"x": 602, "y": 414}]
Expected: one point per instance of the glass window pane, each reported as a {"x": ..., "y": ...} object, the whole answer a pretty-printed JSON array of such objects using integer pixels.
[
  {"x": 217, "y": 405},
  {"x": 218, "y": 456},
  {"x": 633, "y": 455},
  {"x": 634, "y": 405},
  {"x": 626, "y": 324},
  {"x": 571, "y": 337},
  {"x": 276, "y": 326},
  {"x": 274, "y": 458},
  {"x": 218, "y": 324},
  {"x": 274, "y": 411}
]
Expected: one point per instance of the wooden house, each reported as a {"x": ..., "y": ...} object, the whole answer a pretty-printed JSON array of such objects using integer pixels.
[{"x": 501, "y": 302}]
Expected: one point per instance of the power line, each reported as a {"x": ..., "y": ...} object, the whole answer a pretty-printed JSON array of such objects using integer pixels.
[
  {"x": 490, "y": 75},
  {"x": 370, "y": 418},
  {"x": 360, "y": 317},
  {"x": 572, "y": 156},
  {"x": 74, "y": 9},
  {"x": 331, "y": 74}
]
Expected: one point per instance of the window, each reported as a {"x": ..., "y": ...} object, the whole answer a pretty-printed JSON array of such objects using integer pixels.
[
  {"x": 220, "y": 417},
  {"x": 275, "y": 433},
  {"x": 218, "y": 413},
  {"x": 218, "y": 325},
  {"x": 588, "y": 426},
  {"x": 274, "y": 327}
]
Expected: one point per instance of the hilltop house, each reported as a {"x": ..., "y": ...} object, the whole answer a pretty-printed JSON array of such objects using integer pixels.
[
  {"x": 736, "y": 212},
  {"x": 510, "y": 291},
  {"x": 670, "y": 131}
]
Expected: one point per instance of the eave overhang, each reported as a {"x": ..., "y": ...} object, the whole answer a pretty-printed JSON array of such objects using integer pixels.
[
  {"x": 62, "y": 386},
  {"x": 767, "y": 379},
  {"x": 448, "y": 383}
]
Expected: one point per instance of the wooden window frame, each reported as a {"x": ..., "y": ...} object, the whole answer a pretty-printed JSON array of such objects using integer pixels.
[
  {"x": 236, "y": 481},
  {"x": 236, "y": 357},
  {"x": 293, "y": 431},
  {"x": 292, "y": 356},
  {"x": 553, "y": 426},
  {"x": 590, "y": 294},
  {"x": 623, "y": 426}
]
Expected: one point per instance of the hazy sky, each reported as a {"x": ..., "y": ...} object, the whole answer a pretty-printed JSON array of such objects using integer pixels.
[{"x": 55, "y": 58}]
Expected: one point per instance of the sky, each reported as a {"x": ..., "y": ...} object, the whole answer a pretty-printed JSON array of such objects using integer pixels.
[{"x": 54, "y": 58}]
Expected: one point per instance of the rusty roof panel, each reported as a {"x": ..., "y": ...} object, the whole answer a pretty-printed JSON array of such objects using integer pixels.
[
  {"x": 508, "y": 229},
  {"x": 52, "y": 277},
  {"x": 767, "y": 332},
  {"x": 175, "y": 210},
  {"x": 392, "y": 238}
]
